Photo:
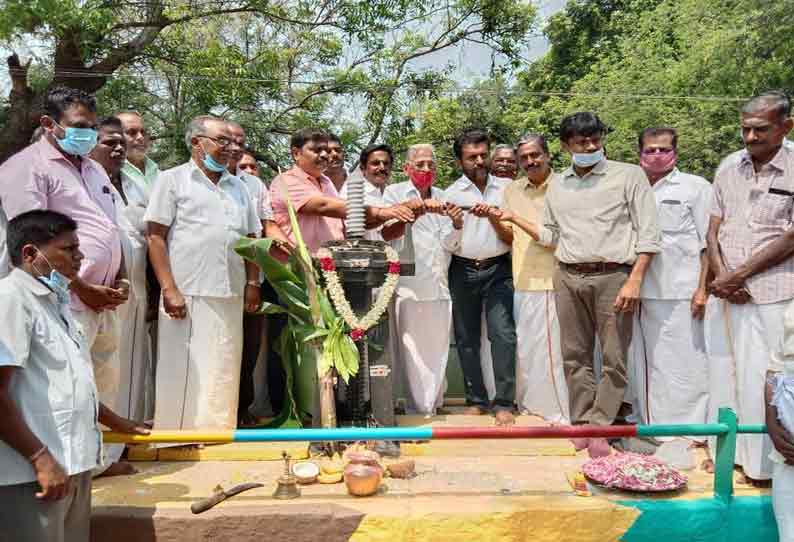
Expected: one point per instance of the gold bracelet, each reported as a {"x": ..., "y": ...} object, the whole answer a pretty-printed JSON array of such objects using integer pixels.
[{"x": 37, "y": 455}]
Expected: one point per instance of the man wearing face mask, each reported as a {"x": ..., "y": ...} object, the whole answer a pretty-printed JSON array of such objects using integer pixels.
[
  {"x": 601, "y": 216},
  {"x": 136, "y": 384},
  {"x": 750, "y": 247},
  {"x": 670, "y": 368},
  {"x": 422, "y": 306},
  {"x": 480, "y": 278},
  {"x": 503, "y": 162},
  {"x": 196, "y": 214},
  {"x": 56, "y": 174},
  {"x": 49, "y": 409},
  {"x": 540, "y": 382}
]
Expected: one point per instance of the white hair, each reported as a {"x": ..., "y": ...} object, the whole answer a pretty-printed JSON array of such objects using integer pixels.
[
  {"x": 502, "y": 147},
  {"x": 197, "y": 127},
  {"x": 413, "y": 150}
]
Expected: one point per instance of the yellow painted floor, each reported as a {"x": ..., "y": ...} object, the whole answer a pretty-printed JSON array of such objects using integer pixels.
[{"x": 461, "y": 488}]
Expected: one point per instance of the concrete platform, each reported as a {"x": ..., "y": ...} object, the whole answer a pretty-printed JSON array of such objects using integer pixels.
[{"x": 463, "y": 491}]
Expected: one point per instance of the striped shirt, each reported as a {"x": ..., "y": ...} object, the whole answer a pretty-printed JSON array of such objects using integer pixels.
[{"x": 756, "y": 208}]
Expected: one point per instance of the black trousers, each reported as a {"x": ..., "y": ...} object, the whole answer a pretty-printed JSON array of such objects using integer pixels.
[
  {"x": 472, "y": 289},
  {"x": 253, "y": 334},
  {"x": 276, "y": 377}
]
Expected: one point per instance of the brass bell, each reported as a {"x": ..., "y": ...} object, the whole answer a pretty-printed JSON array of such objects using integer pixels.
[{"x": 287, "y": 484}]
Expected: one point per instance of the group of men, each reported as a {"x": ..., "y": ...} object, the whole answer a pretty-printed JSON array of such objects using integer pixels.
[{"x": 606, "y": 293}]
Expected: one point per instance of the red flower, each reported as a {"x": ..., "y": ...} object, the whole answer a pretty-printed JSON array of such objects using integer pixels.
[
  {"x": 394, "y": 268},
  {"x": 327, "y": 264},
  {"x": 357, "y": 334}
]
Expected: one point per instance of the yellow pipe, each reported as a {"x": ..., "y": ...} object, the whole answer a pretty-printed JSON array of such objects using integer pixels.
[{"x": 186, "y": 437}]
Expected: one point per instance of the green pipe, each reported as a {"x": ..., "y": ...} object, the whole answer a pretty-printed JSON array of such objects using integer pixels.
[
  {"x": 676, "y": 430},
  {"x": 725, "y": 456},
  {"x": 753, "y": 429}
]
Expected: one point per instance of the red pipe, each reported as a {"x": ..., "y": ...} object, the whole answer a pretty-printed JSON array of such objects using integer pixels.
[{"x": 558, "y": 431}]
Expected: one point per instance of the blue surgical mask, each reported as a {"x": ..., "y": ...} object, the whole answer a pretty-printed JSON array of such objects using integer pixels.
[
  {"x": 77, "y": 141},
  {"x": 587, "y": 159},
  {"x": 56, "y": 282},
  {"x": 211, "y": 164}
]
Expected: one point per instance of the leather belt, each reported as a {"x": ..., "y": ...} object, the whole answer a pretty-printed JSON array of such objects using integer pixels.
[
  {"x": 595, "y": 267},
  {"x": 481, "y": 264}
]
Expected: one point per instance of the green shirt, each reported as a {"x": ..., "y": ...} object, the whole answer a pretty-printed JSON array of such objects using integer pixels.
[{"x": 145, "y": 179}]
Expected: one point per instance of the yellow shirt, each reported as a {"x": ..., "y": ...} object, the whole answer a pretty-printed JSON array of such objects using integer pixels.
[{"x": 533, "y": 264}]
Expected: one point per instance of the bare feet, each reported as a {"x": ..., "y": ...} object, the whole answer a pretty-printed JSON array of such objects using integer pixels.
[
  {"x": 121, "y": 468},
  {"x": 708, "y": 466},
  {"x": 746, "y": 480},
  {"x": 504, "y": 418},
  {"x": 598, "y": 447},
  {"x": 474, "y": 410}
]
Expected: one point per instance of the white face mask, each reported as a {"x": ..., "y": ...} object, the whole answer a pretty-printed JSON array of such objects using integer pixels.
[{"x": 56, "y": 281}]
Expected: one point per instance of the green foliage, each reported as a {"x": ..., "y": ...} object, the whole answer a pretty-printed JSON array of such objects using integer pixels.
[
  {"x": 311, "y": 321},
  {"x": 272, "y": 65},
  {"x": 688, "y": 64}
]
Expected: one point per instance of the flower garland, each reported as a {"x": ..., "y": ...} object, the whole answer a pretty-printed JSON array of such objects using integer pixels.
[{"x": 359, "y": 327}]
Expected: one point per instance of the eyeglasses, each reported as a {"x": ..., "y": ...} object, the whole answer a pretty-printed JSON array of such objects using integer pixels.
[{"x": 219, "y": 141}]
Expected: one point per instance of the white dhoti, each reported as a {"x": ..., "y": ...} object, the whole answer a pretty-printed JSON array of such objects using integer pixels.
[
  {"x": 540, "y": 380},
  {"x": 102, "y": 333},
  {"x": 486, "y": 362},
  {"x": 783, "y": 500},
  {"x": 198, "y": 370},
  {"x": 669, "y": 362},
  {"x": 422, "y": 345},
  {"x": 134, "y": 349},
  {"x": 742, "y": 346}
]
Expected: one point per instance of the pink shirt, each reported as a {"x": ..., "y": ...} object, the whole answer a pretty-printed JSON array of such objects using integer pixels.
[
  {"x": 756, "y": 209},
  {"x": 301, "y": 187},
  {"x": 40, "y": 177}
]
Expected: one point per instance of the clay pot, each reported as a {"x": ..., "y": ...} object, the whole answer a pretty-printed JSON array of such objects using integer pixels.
[
  {"x": 362, "y": 480},
  {"x": 363, "y": 458}
]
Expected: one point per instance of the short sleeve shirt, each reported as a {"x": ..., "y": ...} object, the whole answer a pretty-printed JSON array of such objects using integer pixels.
[
  {"x": 40, "y": 177},
  {"x": 300, "y": 188},
  {"x": 53, "y": 382},
  {"x": 683, "y": 202},
  {"x": 260, "y": 195},
  {"x": 206, "y": 221},
  {"x": 756, "y": 208}
]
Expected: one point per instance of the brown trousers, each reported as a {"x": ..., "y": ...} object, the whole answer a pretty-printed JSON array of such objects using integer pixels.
[{"x": 585, "y": 310}]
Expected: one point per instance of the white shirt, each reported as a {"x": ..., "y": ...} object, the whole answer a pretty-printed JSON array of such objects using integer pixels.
[
  {"x": 477, "y": 240},
  {"x": 429, "y": 282},
  {"x": 53, "y": 386},
  {"x": 683, "y": 202},
  {"x": 206, "y": 221},
  {"x": 133, "y": 230},
  {"x": 260, "y": 195}
]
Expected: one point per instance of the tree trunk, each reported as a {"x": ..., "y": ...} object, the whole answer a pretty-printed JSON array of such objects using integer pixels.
[{"x": 24, "y": 109}]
